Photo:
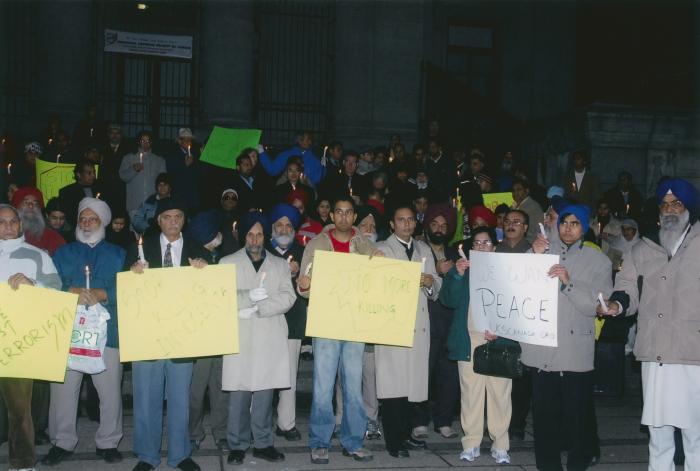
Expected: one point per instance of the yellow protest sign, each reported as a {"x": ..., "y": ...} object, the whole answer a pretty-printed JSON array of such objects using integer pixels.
[
  {"x": 492, "y": 200},
  {"x": 177, "y": 313},
  {"x": 35, "y": 330},
  {"x": 367, "y": 300},
  {"x": 52, "y": 176}
]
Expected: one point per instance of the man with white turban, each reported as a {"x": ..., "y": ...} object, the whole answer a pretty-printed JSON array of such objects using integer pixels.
[
  {"x": 659, "y": 281},
  {"x": 103, "y": 261}
]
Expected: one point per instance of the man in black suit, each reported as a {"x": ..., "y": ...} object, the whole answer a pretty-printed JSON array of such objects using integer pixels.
[
  {"x": 84, "y": 186},
  {"x": 156, "y": 379}
]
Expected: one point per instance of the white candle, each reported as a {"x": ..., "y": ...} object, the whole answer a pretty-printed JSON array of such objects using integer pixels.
[
  {"x": 142, "y": 258},
  {"x": 350, "y": 191},
  {"x": 290, "y": 259},
  {"x": 98, "y": 195},
  {"x": 234, "y": 225},
  {"x": 87, "y": 277},
  {"x": 9, "y": 169},
  {"x": 544, "y": 234},
  {"x": 461, "y": 252},
  {"x": 422, "y": 266},
  {"x": 92, "y": 131},
  {"x": 140, "y": 157},
  {"x": 50, "y": 141},
  {"x": 189, "y": 154},
  {"x": 58, "y": 158},
  {"x": 308, "y": 269},
  {"x": 603, "y": 306},
  {"x": 627, "y": 210},
  {"x": 262, "y": 279},
  {"x": 454, "y": 202}
]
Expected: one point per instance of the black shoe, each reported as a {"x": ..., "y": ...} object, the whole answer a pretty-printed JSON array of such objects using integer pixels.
[
  {"x": 236, "y": 457},
  {"x": 143, "y": 466},
  {"x": 222, "y": 444},
  {"x": 268, "y": 454},
  {"x": 402, "y": 453},
  {"x": 291, "y": 435},
  {"x": 413, "y": 444},
  {"x": 41, "y": 438},
  {"x": 188, "y": 464},
  {"x": 110, "y": 455},
  {"x": 516, "y": 434},
  {"x": 55, "y": 456}
]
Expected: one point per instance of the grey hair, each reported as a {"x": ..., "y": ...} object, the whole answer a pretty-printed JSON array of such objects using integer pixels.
[{"x": 14, "y": 210}]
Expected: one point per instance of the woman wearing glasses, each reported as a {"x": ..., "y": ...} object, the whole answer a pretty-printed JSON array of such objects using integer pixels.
[{"x": 476, "y": 388}]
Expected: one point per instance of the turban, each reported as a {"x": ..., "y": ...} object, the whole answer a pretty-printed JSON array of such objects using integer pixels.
[
  {"x": 484, "y": 213},
  {"x": 229, "y": 190},
  {"x": 248, "y": 221},
  {"x": 26, "y": 191},
  {"x": 297, "y": 194},
  {"x": 555, "y": 191},
  {"x": 284, "y": 209},
  {"x": 681, "y": 189},
  {"x": 629, "y": 223},
  {"x": 367, "y": 210},
  {"x": 581, "y": 211},
  {"x": 99, "y": 207},
  {"x": 445, "y": 210},
  {"x": 204, "y": 226}
]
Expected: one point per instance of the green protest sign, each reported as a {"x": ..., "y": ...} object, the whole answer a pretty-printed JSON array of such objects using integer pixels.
[{"x": 225, "y": 144}]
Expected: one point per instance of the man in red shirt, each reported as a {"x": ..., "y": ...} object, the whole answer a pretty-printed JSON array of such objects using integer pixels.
[
  {"x": 331, "y": 356},
  {"x": 30, "y": 204}
]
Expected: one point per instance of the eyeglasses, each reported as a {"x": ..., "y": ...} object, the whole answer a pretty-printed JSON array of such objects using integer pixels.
[
  {"x": 675, "y": 204},
  {"x": 482, "y": 243},
  {"x": 516, "y": 223}
]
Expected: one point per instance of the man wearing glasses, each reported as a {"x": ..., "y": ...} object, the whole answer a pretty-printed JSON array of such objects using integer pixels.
[
  {"x": 515, "y": 226},
  {"x": 659, "y": 281},
  {"x": 331, "y": 356},
  {"x": 139, "y": 171}
]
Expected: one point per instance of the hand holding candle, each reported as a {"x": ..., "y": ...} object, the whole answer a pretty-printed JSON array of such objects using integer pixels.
[
  {"x": 461, "y": 252},
  {"x": 142, "y": 258},
  {"x": 87, "y": 277}
]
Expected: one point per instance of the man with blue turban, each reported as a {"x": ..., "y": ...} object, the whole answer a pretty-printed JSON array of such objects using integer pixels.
[{"x": 659, "y": 281}]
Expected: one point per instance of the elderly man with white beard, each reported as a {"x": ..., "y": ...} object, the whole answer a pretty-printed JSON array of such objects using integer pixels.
[
  {"x": 104, "y": 261},
  {"x": 30, "y": 203},
  {"x": 659, "y": 281}
]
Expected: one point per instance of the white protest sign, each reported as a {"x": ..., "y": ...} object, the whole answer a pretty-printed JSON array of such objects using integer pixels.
[{"x": 512, "y": 296}]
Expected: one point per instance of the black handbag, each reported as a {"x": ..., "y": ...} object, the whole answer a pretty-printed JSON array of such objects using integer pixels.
[{"x": 497, "y": 359}]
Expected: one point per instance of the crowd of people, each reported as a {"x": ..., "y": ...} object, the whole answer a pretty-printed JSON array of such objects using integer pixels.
[{"x": 131, "y": 208}]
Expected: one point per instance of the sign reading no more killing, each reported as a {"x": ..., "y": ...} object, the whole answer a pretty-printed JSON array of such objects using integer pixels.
[
  {"x": 512, "y": 296},
  {"x": 360, "y": 299}
]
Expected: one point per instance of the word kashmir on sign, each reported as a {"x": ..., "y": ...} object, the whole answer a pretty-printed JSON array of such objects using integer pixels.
[
  {"x": 35, "y": 332},
  {"x": 512, "y": 296},
  {"x": 360, "y": 299},
  {"x": 180, "y": 312}
]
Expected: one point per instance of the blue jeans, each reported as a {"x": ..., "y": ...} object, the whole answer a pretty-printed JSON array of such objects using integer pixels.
[
  {"x": 154, "y": 381},
  {"x": 331, "y": 356}
]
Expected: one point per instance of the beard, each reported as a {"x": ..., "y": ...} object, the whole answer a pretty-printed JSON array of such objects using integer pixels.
[
  {"x": 283, "y": 239},
  {"x": 33, "y": 221},
  {"x": 91, "y": 238},
  {"x": 371, "y": 237},
  {"x": 672, "y": 228},
  {"x": 437, "y": 238}
]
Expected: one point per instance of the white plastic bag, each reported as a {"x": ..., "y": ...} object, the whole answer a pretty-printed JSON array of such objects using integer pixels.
[{"x": 89, "y": 339}]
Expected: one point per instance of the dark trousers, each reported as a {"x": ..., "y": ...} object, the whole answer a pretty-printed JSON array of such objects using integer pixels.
[
  {"x": 41, "y": 397},
  {"x": 17, "y": 394},
  {"x": 562, "y": 413},
  {"x": 442, "y": 373},
  {"x": 396, "y": 422},
  {"x": 521, "y": 398}
]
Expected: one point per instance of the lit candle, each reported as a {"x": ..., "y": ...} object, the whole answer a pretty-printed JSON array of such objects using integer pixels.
[
  {"x": 544, "y": 234},
  {"x": 603, "y": 306},
  {"x": 308, "y": 269},
  {"x": 461, "y": 252},
  {"x": 140, "y": 157},
  {"x": 303, "y": 240},
  {"x": 457, "y": 192},
  {"x": 9, "y": 169},
  {"x": 422, "y": 266},
  {"x": 627, "y": 210},
  {"x": 600, "y": 230},
  {"x": 262, "y": 279},
  {"x": 350, "y": 191},
  {"x": 87, "y": 277},
  {"x": 92, "y": 131},
  {"x": 189, "y": 154},
  {"x": 142, "y": 258},
  {"x": 573, "y": 187},
  {"x": 50, "y": 141},
  {"x": 290, "y": 259},
  {"x": 58, "y": 158},
  {"x": 97, "y": 196},
  {"x": 454, "y": 202},
  {"x": 234, "y": 225}
]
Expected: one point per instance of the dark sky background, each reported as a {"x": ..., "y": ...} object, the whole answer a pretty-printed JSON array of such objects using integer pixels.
[{"x": 637, "y": 52}]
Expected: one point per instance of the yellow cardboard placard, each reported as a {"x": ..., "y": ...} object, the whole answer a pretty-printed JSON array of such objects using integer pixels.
[
  {"x": 36, "y": 325},
  {"x": 492, "y": 200},
  {"x": 180, "y": 312},
  {"x": 360, "y": 299},
  {"x": 52, "y": 176}
]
